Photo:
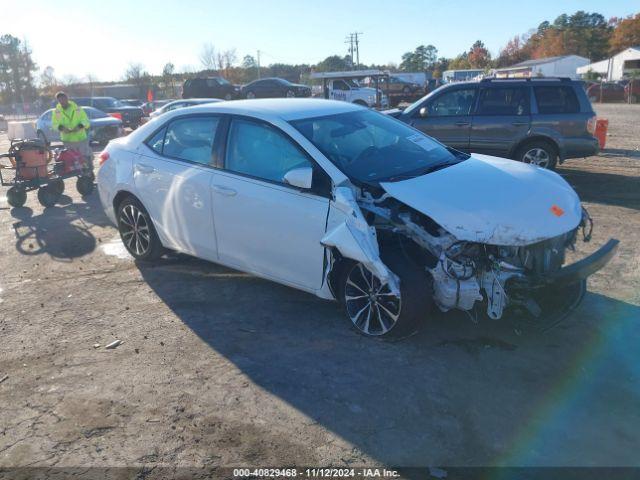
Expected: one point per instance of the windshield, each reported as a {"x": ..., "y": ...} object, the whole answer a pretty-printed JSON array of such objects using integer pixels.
[
  {"x": 223, "y": 81},
  {"x": 371, "y": 147}
]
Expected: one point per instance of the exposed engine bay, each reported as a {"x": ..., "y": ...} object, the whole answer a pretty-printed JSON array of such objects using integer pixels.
[{"x": 465, "y": 275}]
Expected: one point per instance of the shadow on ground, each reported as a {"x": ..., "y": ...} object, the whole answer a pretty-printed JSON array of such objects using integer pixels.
[
  {"x": 457, "y": 393},
  {"x": 62, "y": 231},
  {"x": 605, "y": 188}
]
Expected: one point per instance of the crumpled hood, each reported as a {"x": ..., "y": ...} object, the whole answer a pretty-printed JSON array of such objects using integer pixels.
[{"x": 493, "y": 200}]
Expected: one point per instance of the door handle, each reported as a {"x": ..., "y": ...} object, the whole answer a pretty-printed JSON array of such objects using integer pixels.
[
  {"x": 462, "y": 124},
  {"x": 144, "y": 168},
  {"x": 226, "y": 191}
]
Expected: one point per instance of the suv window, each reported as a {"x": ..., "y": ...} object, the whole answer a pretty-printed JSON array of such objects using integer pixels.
[
  {"x": 259, "y": 150},
  {"x": 212, "y": 82},
  {"x": 456, "y": 102},
  {"x": 503, "y": 101},
  {"x": 190, "y": 139},
  {"x": 556, "y": 99},
  {"x": 340, "y": 85}
]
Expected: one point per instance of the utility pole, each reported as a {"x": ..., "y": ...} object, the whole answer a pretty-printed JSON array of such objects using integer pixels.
[
  {"x": 258, "y": 64},
  {"x": 354, "y": 46},
  {"x": 357, "y": 40}
]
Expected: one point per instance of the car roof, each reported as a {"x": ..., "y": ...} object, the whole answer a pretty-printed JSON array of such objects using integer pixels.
[{"x": 286, "y": 109}]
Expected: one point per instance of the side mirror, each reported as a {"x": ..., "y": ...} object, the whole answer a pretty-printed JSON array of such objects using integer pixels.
[
  {"x": 423, "y": 112},
  {"x": 299, "y": 177}
]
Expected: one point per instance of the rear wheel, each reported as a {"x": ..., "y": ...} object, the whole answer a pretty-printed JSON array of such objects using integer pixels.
[
  {"x": 227, "y": 96},
  {"x": 540, "y": 153},
  {"x": 371, "y": 306},
  {"x": 16, "y": 197},
  {"x": 137, "y": 231},
  {"x": 84, "y": 185},
  {"x": 251, "y": 95},
  {"x": 48, "y": 195}
]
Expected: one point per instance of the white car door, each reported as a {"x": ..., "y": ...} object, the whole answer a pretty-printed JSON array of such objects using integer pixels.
[
  {"x": 172, "y": 176},
  {"x": 262, "y": 224}
]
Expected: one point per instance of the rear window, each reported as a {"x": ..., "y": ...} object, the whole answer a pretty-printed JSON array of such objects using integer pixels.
[
  {"x": 503, "y": 101},
  {"x": 556, "y": 99}
]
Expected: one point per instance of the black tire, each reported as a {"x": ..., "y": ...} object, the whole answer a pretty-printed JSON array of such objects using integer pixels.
[
  {"x": 16, "y": 197},
  {"x": 133, "y": 217},
  {"x": 250, "y": 95},
  {"x": 416, "y": 298},
  {"x": 58, "y": 184},
  {"x": 546, "y": 156},
  {"x": 48, "y": 195},
  {"x": 290, "y": 94},
  {"x": 84, "y": 185},
  {"x": 227, "y": 96}
]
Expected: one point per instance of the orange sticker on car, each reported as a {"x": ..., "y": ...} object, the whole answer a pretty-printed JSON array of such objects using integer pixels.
[{"x": 557, "y": 211}]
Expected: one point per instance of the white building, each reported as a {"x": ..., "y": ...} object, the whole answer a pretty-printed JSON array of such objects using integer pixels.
[
  {"x": 564, "y": 66},
  {"x": 621, "y": 65}
]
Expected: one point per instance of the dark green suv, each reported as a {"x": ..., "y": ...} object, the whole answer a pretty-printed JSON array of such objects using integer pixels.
[{"x": 542, "y": 121}]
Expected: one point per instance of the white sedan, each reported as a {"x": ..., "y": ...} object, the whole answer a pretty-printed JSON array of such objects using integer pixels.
[{"x": 349, "y": 204}]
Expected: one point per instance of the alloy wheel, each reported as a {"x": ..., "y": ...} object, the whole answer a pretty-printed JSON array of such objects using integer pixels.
[
  {"x": 372, "y": 307},
  {"x": 537, "y": 156},
  {"x": 290, "y": 94},
  {"x": 134, "y": 230}
]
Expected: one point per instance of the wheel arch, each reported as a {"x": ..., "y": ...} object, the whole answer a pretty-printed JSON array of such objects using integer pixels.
[{"x": 533, "y": 139}]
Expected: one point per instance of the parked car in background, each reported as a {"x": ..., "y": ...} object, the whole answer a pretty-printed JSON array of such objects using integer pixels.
[
  {"x": 132, "y": 102},
  {"x": 400, "y": 86},
  {"x": 210, "y": 87},
  {"x": 130, "y": 115},
  {"x": 149, "y": 107},
  {"x": 348, "y": 204},
  {"x": 274, "y": 88},
  {"x": 606, "y": 92},
  {"x": 103, "y": 127},
  {"x": 541, "y": 121},
  {"x": 187, "y": 102}
]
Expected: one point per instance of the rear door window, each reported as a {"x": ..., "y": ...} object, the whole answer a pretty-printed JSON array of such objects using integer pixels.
[
  {"x": 556, "y": 99},
  {"x": 503, "y": 101},
  {"x": 189, "y": 139}
]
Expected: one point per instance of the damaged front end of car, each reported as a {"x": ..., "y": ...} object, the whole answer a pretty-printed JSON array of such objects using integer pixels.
[{"x": 472, "y": 276}]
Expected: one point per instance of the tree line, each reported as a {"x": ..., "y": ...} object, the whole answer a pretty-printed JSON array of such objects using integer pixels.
[{"x": 586, "y": 34}]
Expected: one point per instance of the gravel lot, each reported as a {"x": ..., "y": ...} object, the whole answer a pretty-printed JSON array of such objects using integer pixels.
[{"x": 219, "y": 368}]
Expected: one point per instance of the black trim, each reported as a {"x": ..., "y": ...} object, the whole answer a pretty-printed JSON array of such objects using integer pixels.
[{"x": 570, "y": 274}]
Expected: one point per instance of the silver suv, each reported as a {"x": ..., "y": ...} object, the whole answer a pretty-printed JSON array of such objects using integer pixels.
[{"x": 542, "y": 121}]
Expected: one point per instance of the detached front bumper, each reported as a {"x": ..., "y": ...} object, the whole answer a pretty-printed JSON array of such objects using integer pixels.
[{"x": 570, "y": 274}]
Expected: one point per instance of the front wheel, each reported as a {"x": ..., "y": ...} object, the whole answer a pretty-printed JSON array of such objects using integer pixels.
[
  {"x": 16, "y": 197},
  {"x": 251, "y": 95},
  {"x": 227, "y": 96},
  {"x": 137, "y": 231},
  {"x": 290, "y": 94},
  {"x": 539, "y": 153},
  {"x": 371, "y": 306}
]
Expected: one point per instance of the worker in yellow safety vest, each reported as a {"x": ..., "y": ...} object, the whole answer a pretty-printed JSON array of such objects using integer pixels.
[{"x": 73, "y": 124}]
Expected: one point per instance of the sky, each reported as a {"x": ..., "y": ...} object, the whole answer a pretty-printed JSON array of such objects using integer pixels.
[{"x": 101, "y": 38}]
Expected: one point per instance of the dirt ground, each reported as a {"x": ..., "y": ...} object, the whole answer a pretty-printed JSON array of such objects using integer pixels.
[{"x": 219, "y": 368}]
